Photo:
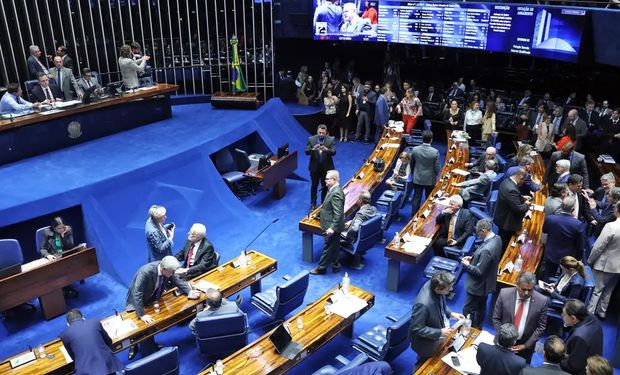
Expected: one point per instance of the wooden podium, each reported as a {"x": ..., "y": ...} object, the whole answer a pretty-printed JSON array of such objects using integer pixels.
[{"x": 243, "y": 100}]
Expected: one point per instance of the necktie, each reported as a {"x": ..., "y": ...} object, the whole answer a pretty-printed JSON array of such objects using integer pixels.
[
  {"x": 451, "y": 226},
  {"x": 430, "y": 97},
  {"x": 190, "y": 253},
  {"x": 519, "y": 313},
  {"x": 59, "y": 75},
  {"x": 48, "y": 94},
  {"x": 160, "y": 287}
]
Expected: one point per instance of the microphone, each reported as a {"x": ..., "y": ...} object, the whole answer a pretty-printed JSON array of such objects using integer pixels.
[{"x": 261, "y": 232}]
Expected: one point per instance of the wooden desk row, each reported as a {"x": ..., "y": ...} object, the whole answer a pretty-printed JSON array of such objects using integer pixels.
[
  {"x": 366, "y": 178},
  {"x": 173, "y": 310},
  {"x": 456, "y": 157},
  {"x": 319, "y": 328},
  {"x": 435, "y": 365}
]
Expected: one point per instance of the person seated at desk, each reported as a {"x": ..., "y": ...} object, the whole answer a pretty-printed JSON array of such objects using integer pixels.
[
  {"x": 88, "y": 80},
  {"x": 216, "y": 305},
  {"x": 198, "y": 255},
  {"x": 65, "y": 80},
  {"x": 402, "y": 171},
  {"x": 147, "y": 286},
  {"x": 56, "y": 239},
  {"x": 130, "y": 68},
  {"x": 531, "y": 184},
  {"x": 571, "y": 281},
  {"x": 366, "y": 212},
  {"x": 12, "y": 102},
  {"x": 499, "y": 359},
  {"x": 477, "y": 188},
  {"x": 489, "y": 154},
  {"x": 456, "y": 224},
  {"x": 46, "y": 91},
  {"x": 89, "y": 345}
]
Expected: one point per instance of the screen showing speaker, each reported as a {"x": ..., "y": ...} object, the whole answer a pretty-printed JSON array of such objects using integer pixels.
[{"x": 540, "y": 31}]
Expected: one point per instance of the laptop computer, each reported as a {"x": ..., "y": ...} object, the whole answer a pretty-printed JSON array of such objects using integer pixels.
[{"x": 285, "y": 346}]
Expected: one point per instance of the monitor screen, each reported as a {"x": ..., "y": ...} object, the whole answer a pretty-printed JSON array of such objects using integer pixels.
[
  {"x": 280, "y": 338},
  {"x": 282, "y": 151}
]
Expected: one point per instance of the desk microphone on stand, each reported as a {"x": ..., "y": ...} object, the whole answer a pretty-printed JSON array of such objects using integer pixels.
[{"x": 261, "y": 232}]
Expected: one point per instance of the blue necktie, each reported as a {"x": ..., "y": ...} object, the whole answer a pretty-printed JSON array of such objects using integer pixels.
[{"x": 160, "y": 287}]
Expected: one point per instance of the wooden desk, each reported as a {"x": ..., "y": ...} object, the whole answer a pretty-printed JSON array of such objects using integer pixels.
[
  {"x": 426, "y": 227},
  {"x": 602, "y": 168},
  {"x": 366, "y": 178},
  {"x": 46, "y": 282},
  {"x": 41, "y": 132},
  {"x": 435, "y": 365},
  {"x": 317, "y": 331},
  {"x": 172, "y": 310},
  {"x": 57, "y": 365},
  {"x": 275, "y": 175},
  {"x": 532, "y": 250}
]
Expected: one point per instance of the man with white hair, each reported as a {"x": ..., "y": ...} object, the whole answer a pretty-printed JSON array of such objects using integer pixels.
[
  {"x": 198, "y": 255},
  {"x": 147, "y": 286},
  {"x": 35, "y": 66},
  {"x": 582, "y": 128},
  {"x": 562, "y": 169},
  {"x": 478, "y": 165},
  {"x": 608, "y": 182},
  {"x": 576, "y": 160},
  {"x": 352, "y": 22},
  {"x": 158, "y": 236},
  {"x": 456, "y": 224}
]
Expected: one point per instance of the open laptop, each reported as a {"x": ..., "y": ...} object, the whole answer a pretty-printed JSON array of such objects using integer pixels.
[{"x": 285, "y": 346}]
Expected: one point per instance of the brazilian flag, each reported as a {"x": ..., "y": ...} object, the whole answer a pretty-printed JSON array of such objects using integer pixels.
[{"x": 237, "y": 82}]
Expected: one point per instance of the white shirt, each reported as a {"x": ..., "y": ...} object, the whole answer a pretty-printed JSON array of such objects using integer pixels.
[
  {"x": 563, "y": 282},
  {"x": 526, "y": 309},
  {"x": 194, "y": 250}
]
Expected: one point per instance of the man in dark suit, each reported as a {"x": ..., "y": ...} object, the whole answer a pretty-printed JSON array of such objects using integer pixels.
[
  {"x": 67, "y": 61},
  {"x": 197, "y": 255},
  {"x": 582, "y": 128},
  {"x": 611, "y": 133},
  {"x": 430, "y": 316},
  {"x": 577, "y": 164},
  {"x": 605, "y": 214},
  {"x": 425, "y": 168},
  {"x": 35, "y": 65},
  {"x": 565, "y": 236},
  {"x": 526, "y": 309},
  {"x": 481, "y": 272},
  {"x": 511, "y": 206},
  {"x": 553, "y": 354},
  {"x": 456, "y": 224},
  {"x": 479, "y": 165},
  {"x": 46, "y": 90},
  {"x": 89, "y": 345},
  {"x": 608, "y": 182},
  {"x": 455, "y": 91},
  {"x": 321, "y": 149},
  {"x": 574, "y": 186},
  {"x": 332, "y": 222},
  {"x": 432, "y": 96},
  {"x": 499, "y": 359},
  {"x": 366, "y": 212},
  {"x": 591, "y": 117},
  {"x": 147, "y": 286},
  {"x": 584, "y": 340},
  {"x": 216, "y": 305},
  {"x": 65, "y": 80}
]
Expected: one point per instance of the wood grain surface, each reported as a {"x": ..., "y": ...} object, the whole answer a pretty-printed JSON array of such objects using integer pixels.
[{"x": 435, "y": 365}]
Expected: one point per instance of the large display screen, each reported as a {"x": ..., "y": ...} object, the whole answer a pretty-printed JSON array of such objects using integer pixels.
[{"x": 541, "y": 31}]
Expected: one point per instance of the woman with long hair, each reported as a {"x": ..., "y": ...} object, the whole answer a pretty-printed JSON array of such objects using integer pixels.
[
  {"x": 488, "y": 122},
  {"x": 411, "y": 109},
  {"x": 344, "y": 111}
]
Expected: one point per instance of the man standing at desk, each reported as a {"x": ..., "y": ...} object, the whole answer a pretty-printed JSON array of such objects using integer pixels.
[
  {"x": 13, "y": 103},
  {"x": 65, "y": 80},
  {"x": 511, "y": 206},
  {"x": 35, "y": 66},
  {"x": 425, "y": 168},
  {"x": 332, "y": 222},
  {"x": 321, "y": 148}
]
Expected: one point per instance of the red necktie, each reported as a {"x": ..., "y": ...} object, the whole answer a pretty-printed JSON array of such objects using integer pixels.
[
  {"x": 190, "y": 253},
  {"x": 519, "y": 313}
]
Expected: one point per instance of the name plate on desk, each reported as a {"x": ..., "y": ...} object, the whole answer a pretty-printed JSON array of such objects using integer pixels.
[{"x": 24, "y": 358}]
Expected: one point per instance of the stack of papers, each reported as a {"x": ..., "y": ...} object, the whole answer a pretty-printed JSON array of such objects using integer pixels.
[
  {"x": 346, "y": 305},
  {"x": 607, "y": 159},
  {"x": 467, "y": 356},
  {"x": 460, "y": 172},
  {"x": 67, "y": 104},
  {"x": 64, "y": 352},
  {"x": 35, "y": 264},
  {"x": 116, "y": 326},
  {"x": 415, "y": 244},
  {"x": 203, "y": 285}
]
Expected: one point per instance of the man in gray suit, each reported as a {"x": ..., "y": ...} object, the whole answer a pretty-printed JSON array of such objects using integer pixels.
[
  {"x": 88, "y": 80},
  {"x": 477, "y": 188},
  {"x": 216, "y": 305},
  {"x": 553, "y": 354},
  {"x": 366, "y": 212},
  {"x": 332, "y": 222},
  {"x": 147, "y": 286},
  {"x": 425, "y": 168},
  {"x": 481, "y": 272},
  {"x": 577, "y": 165},
  {"x": 65, "y": 80},
  {"x": 526, "y": 309},
  {"x": 572, "y": 118}
]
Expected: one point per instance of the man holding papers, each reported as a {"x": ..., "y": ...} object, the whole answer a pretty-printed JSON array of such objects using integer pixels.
[{"x": 430, "y": 316}]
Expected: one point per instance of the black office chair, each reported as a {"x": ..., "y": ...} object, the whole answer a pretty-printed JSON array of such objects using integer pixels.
[{"x": 232, "y": 172}]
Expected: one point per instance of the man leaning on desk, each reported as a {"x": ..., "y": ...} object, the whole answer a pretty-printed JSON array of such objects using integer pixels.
[{"x": 12, "y": 102}]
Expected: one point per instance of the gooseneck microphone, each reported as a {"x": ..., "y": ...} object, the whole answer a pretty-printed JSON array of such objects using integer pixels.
[{"x": 259, "y": 234}]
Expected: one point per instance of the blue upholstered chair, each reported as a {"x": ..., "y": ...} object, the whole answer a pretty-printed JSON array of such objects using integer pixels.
[
  {"x": 492, "y": 194},
  {"x": 331, "y": 370},
  {"x": 221, "y": 335},
  {"x": 388, "y": 206},
  {"x": 280, "y": 300},
  {"x": 480, "y": 147},
  {"x": 385, "y": 344},
  {"x": 39, "y": 236},
  {"x": 29, "y": 85},
  {"x": 480, "y": 214},
  {"x": 369, "y": 234},
  {"x": 232, "y": 171},
  {"x": 11, "y": 257},
  {"x": 165, "y": 361},
  {"x": 456, "y": 252},
  {"x": 437, "y": 264},
  {"x": 555, "y": 305}
]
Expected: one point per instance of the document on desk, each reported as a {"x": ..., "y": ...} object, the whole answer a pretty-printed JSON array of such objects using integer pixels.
[
  {"x": 52, "y": 112},
  {"x": 460, "y": 172},
  {"x": 35, "y": 264},
  {"x": 467, "y": 359},
  {"x": 64, "y": 352},
  {"x": 539, "y": 208},
  {"x": 203, "y": 285},
  {"x": 391, "y": 145},
  {"x": 116, "y": 326},
  {"x": 67, "y": 104},
  {"x": 485, "y": 337},
  {"x": 348, "y": 305},
  {"x": 416, "y": 244}
]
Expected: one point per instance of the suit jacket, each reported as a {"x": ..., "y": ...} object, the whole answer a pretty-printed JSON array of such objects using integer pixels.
[
  {"x": 565, "y": 236},
  {"x": 204, "y": 260},
  {"x": 477, "y": 188},
  {"x": 577, "y": 166},
  {"x": 84, "y": 85},
  {"x": 332, "y": 210},
  {"x": 67, "y": 62},
  {"x": 571, "y": 290},
  {"x": 158, "y": 243},
  {"x": 49, "y": 241},
  {"x": 366, "y": 212},
  {"x": 497, "y": 360},
  {"x": 34, "y": 68},
  {"x": 545, "y": 369},
  {"x": 68, "y": 84},
  {"x": 584, "y": 340},
  {"x": 594, "y": 119},
  {"x": 89, "y": 346},
  {"x": 436, "y": 98},
  {"x": 510, "y": 207},
  {"x": 463, "y": 227},
  {"x": 129, "y": 71},
  {"x": 226, "y": 307},
  {"x": 321, "y": 161},
  {"x": 37, "y": 94},
  {"x": 482, "y": 275},
  {"x": 536, "y": 320},
  {"x": 426, "y": 322},
  {"x": 582, "y": 131},
  {"x": 382, "y": 112},
  {"x": 142, "y": 289},
  {"x": 425, "y": 164},
  {"x": 606, "y": 215},
  {"x": 605, "y": 255}
]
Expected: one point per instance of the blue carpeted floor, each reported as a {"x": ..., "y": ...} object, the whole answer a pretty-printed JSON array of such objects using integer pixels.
[{"x": 282, "y": 241}]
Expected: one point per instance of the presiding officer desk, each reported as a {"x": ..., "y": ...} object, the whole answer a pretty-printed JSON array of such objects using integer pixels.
[
  {"x": 173, "y": 310},
  {"x": 366, "y": 178},
  {"x": 44, "y": 279},
  {"x": 42, "y": 132},
  {"x": 456, "y": 157},
  {"x": 275, "y": 174},
  {"x": 319, "y": 328}
]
